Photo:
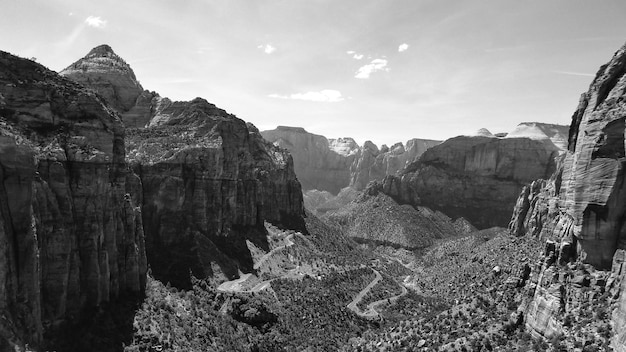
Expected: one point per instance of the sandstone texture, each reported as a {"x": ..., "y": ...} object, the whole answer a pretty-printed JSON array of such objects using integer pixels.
[
  {"x": 580, "y": 211},
  {"x": 317, "y": 165},
  {"x": 112, "y": 78},
  {"x": 71, "y": 233},
  {"x": 209, "y": 182},
  {"x": 557, "y": 134},
  {"x": 333, "y": 164},
  {"x": 477, "y": 178}
]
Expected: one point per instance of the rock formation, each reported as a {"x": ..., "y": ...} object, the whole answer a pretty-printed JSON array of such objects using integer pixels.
[
  {"x": 331, "y": 165},
  {"x": 478, "y": 178},
  {"x": 111, "y": 77},
  {"x": 209, "y": 183},
  {"x": 580, "y": 211},
  {"x": 316, "y": 164},
  {"x": 374, "y": 217},
  {"x": 557, "y": 134},
  {"x": 209, "y": 179},
  {"x": 71, "y": 233}
]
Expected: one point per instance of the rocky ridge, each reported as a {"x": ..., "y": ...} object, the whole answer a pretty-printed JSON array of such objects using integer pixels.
[
  {"x": 331, "y": 165},
  {"x": 478, "y": 178},
  {"x": 580, "y": 213},
  {"x": 71, "y": 232}
]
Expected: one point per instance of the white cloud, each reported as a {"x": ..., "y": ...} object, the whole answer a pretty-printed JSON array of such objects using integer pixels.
[
  {"x": 325, "y": 95},
  {"x": 355, "y": 55},
  {"x": 364, "y": 72},
  {"x": 95, "y": 22},
  {"x": 403, "y": 47},
  {"x": 267, "y": 48}
]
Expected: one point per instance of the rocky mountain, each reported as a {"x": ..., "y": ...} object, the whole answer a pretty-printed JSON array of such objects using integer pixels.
[
  {"x": 108, "y": 74},
  {"x": 319, "y": 163},
  {"x": 377, "y": 219},
  {"x": 331, "y": 165},
  {"x": 580, "y": 213},
  {"x": 87, "y": 203},
  {"x": 477, "y": 178},
  {"x": 557, "y": 134},
  {"x": 71, "y": 233}
]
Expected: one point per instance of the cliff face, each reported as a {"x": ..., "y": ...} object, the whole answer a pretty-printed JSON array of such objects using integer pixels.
[
  {"x": 478, "y": 178},
  {"x": 209, "y": 183},
  {"x": 331, "y": 165},
  {"x": 581, "y": 210},
  {"x": 110, "y": 76},
  {"x": 71, "y": 233}
]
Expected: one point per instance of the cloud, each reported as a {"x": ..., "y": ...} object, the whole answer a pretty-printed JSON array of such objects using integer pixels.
[
  {"x": 355, "y": 55},
  {"x": 376, "y": 65},
  {"x": 267, "y": 48},
  {"x": 403, "y": 47},
  {"x": 570, "y": 73},
  {"x": 95, "y": 22},
  {"x": 325, "y": 95}
]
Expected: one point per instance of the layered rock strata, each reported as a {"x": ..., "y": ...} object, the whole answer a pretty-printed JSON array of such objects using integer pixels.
[
  {"x": 209, "y": 182},
  {"x": 477, "y": 178},
  {"x": 580, "y": 211},
  {"x": 331, "y": 165},
  {"x": 71, "y": 233},
  {"x": 110, "y": 76}
]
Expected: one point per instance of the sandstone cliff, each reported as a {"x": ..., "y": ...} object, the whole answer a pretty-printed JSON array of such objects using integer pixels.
[
  {"x": 71, "y": 233},
  {"x": 110, "y": 76},
  {"x": 209, "y": 180},
  {"x": 316, "y": 164},
  {"x": 209, "y": 183},
  {"x": 331, "y": 165},
  {"x": 580, "y": 211},
  {"x": 478, "y": 178}
]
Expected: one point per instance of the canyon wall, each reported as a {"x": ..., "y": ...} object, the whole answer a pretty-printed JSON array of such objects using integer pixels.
[
  {"x": 580, "y": 211},
  {"x": 477, "y": 178},
  {"x": 331, "y": 165},
  {"x": 71, "y": 233}
]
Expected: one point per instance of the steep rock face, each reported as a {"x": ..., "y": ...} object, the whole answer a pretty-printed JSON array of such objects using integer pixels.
[
  {"x": 581, "y": 210},
  {"x": 209, "y": 183},
  {"x": 478, "y": 178},
  {"x": 109, "y": 75},
  {"x": 71, "y": 233},
  {"x": 316, "y": 164},
  {"x": 372, "y": 164},
  {"x": 557, "y": 134},
  {"x": 331, "y": 165}
]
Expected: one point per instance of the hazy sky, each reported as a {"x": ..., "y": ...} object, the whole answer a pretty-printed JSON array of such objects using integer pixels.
[{"x": 383, "y": 70}]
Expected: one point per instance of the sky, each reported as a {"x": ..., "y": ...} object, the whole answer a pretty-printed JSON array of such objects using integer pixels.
[{"x": 379, "y": 70}]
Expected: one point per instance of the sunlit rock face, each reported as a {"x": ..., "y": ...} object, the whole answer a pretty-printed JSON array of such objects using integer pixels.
[
  {"x": 71, "y": 233},
  {"x": 110, "y": 76},
  {"x": 331, "y": 165},
  {"x": 582, "y": 208},
  {"x": 477, "y": 178},
  {"x": 209, "y": 180},
  {"x": 318, "y": 163}
]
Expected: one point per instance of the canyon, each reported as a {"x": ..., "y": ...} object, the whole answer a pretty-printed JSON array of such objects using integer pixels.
[{"x": 113, "y": 195}]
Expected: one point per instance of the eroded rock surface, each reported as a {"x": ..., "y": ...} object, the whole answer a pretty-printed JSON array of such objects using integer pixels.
[
  {"x": 71, "y": 233},
  {"x": 477, "y": 178},
  {"x": 581, "y": 211}
]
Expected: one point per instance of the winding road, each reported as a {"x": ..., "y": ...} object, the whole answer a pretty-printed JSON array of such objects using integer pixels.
[
  {"x": 370, "y": 310},
  {"x": 236, "y": 285}
]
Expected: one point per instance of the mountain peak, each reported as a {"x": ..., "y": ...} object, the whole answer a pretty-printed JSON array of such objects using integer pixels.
[
  {"x": 108, "y": 74},
  {"x": 101, "y": 50}
]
